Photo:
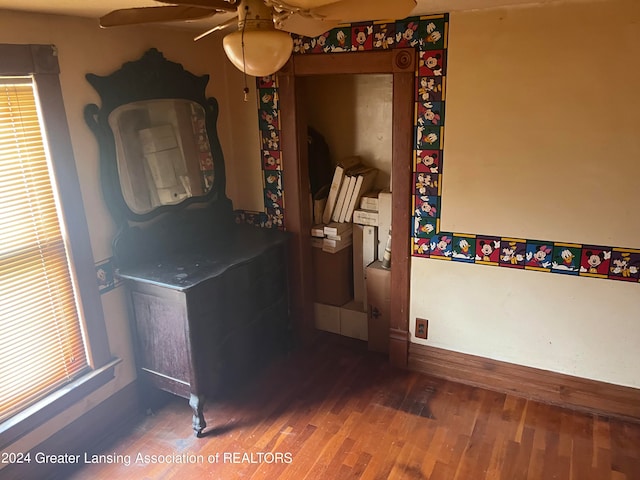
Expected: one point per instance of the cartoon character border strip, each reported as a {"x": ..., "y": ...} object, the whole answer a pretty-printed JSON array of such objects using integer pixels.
[
  {"x": 105, "y": 275},
  {"x": 429, "y": 36},
  {"x": 271, "y": 154}
]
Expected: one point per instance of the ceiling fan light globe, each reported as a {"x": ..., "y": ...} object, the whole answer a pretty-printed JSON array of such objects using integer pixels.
[{"x": 265, "y": 51}]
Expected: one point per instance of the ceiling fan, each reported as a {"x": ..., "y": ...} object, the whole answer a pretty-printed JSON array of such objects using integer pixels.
[{"x": 261, "y": 45}]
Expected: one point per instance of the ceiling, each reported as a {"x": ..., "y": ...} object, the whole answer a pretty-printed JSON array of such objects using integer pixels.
[{"x": 97, "y": 8}]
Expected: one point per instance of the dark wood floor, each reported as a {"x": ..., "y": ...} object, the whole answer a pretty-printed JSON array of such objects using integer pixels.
[{"x": 334, "y": 411}]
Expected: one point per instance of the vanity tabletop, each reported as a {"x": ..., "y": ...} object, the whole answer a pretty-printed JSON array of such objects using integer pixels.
[{"x": 184, "y": 270}]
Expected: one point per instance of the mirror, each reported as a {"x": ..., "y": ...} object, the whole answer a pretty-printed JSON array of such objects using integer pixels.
[
  {"x": 159, "y": 149},
  {"x": 162, "y": 152}
]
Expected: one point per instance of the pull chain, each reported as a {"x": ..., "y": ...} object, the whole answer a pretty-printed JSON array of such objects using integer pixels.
[{"x": 244, "y": 63}]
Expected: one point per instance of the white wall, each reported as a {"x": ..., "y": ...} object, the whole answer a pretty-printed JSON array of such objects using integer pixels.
[
  {"x": 543, "y": 100},
  {"x": 83, "y": 47},
  {"x": 542, "y": 122},
  {"x": 241, "y": 148},
  {"x": 579, "y": 326}
]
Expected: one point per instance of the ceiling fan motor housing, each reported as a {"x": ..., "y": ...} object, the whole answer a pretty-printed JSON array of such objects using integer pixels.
[{"x": 254, "y": 14}]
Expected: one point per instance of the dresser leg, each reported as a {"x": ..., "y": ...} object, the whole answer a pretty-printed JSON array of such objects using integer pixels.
[{"x": 196, "y": 402}]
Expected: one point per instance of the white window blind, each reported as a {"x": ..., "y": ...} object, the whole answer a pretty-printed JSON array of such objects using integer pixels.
[{"x": 41, "y": 341}]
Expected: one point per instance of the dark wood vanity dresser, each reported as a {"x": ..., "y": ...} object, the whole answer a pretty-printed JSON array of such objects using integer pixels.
[{"x": 208, "y": 297}]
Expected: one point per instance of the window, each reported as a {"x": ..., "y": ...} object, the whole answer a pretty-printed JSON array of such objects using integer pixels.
[
  {"x": 42, "y": 344},
  {"x": 53, "y": 347}
]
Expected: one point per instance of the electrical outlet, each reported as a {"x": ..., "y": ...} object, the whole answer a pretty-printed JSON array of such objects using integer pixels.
[{"x": 422, "y": 328}]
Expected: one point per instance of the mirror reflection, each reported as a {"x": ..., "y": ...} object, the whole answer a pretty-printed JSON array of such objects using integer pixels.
[{"x": 162, "y": 151}]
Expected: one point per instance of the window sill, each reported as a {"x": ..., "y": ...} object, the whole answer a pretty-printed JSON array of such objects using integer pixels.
[{"x": 40, "y": 412}]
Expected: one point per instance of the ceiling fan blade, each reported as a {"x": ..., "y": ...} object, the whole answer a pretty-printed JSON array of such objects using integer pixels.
[
  {"x": 301, "y": 25},
  {"x": 135, "y": 16},
  {"x": 224, "y": 5},
  {"x": 358, "y": 11},
  {"x": 302, "y": 4},
  {"x": 232, "y": 21}
]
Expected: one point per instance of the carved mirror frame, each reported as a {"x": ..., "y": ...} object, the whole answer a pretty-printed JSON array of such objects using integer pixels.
[{"x": 152, "y": 77}]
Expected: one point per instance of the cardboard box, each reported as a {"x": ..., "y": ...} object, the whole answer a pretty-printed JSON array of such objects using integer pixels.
[
  {"x": 349, "y": 320},
  {"x": 365, "y": 251},
  {"x": 333, "y": 276},
  {"x": 365, "y": 217},
  {"x": 378, "y": 281},
  {"x": 327, "y": 317},
  {"x": 369, "y": 201},
  {"x": 334, "y": 246},
  {"x": 317, "y": 231},
  {"x": 353, "y": 320},
  {"x": 335, "y": 228}
]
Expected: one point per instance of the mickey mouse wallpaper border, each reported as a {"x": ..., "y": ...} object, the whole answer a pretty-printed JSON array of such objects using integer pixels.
[{"x": 428, "y": 35}]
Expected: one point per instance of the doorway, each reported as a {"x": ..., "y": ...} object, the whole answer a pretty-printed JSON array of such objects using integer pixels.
[{"x": 400, "y": 63}]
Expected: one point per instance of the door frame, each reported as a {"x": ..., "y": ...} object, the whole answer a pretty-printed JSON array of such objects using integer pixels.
[{"x": 401, "y": 64}]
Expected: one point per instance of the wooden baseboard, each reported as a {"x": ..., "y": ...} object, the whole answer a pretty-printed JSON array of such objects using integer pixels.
[
  {"x": 576, "y": 393},
  {"x": 398, "y": 341},
  {"x": 96, "y": 428}
]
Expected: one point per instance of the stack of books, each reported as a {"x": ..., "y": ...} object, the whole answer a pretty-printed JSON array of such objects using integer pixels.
[
  {"x": 375, "y": 211},
  {"x": 367, "y": 214},
  {"x": 332, "y": 237},
  {"x": 351, "y": 179}
]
